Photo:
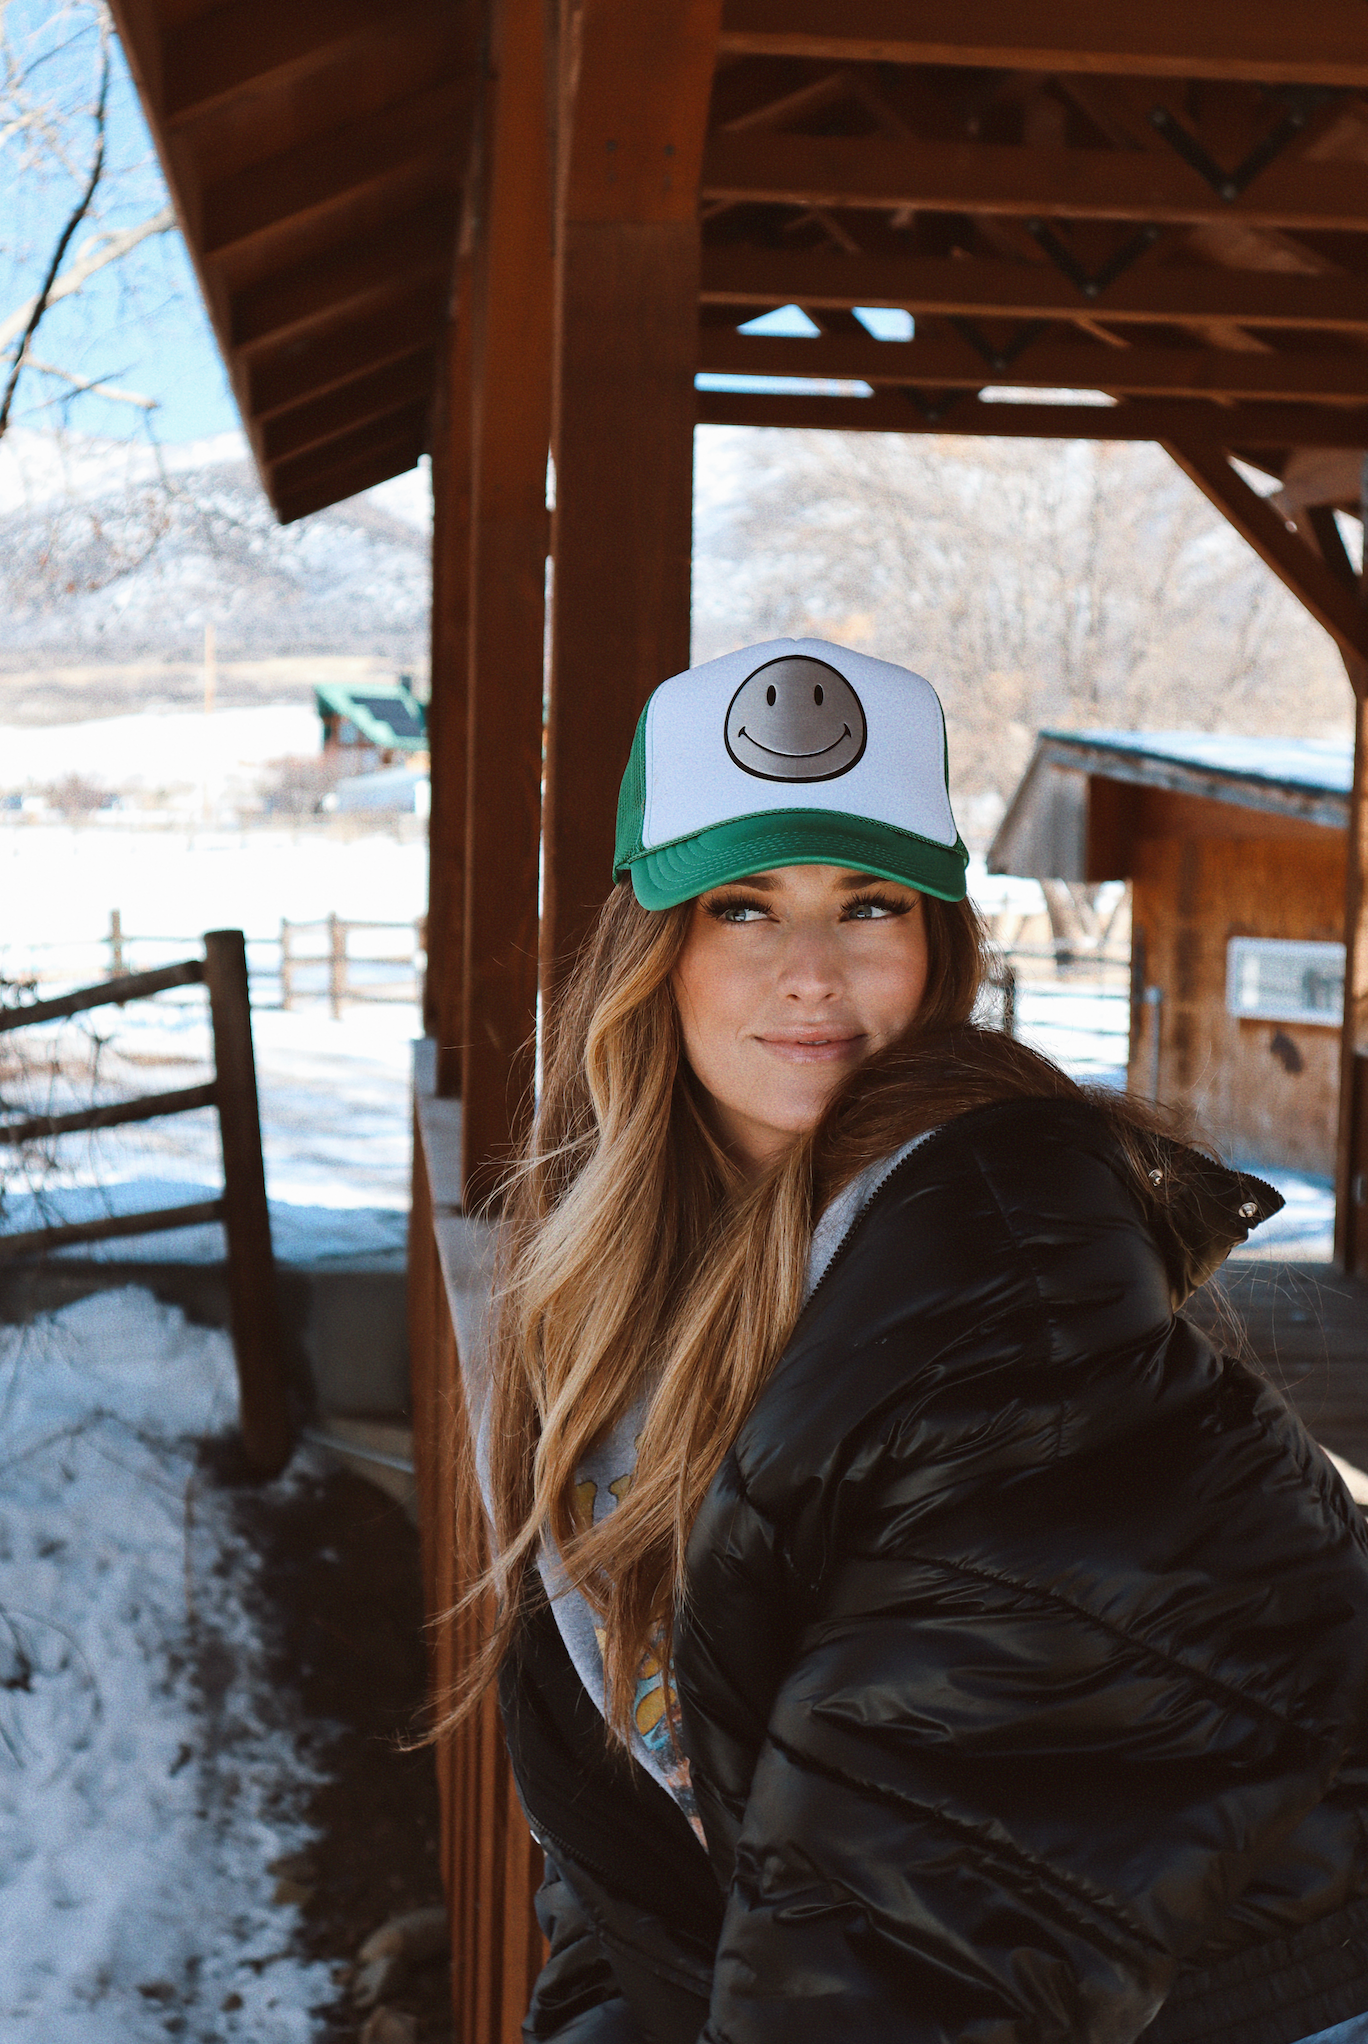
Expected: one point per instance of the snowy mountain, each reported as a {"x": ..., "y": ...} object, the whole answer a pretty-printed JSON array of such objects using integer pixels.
[{"x": 115, "y": 551}]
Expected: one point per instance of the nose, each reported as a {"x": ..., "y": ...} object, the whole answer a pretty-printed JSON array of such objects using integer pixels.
[{"x": 810, "y": 969}]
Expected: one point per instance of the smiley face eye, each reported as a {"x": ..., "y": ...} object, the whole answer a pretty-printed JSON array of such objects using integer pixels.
[
  {"x": 771, "y": 695},
  {"x": 817, "y": 695}
]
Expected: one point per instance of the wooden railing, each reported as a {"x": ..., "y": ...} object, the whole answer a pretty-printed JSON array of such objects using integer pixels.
[
  {"x": 257, "y": 1343},
  {"x": 490, "y": 1863},
  {"x": 339, "y": 959}
]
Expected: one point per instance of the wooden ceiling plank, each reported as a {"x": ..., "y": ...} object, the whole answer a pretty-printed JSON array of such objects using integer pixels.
[
  {"x": 301, "y": 370},
  {"x": 1261, "y": 376},
  {"x": 331, "y": 167},
  {"x": 1337, "y": 607},
  {"x": 970, "y": 288},
  {"x": 334, "y": 485},
  {"x": 329, "y": 286},
  {"x": 356, "y": 443},
  {"x": 246, "y": 45},
  {"x": 1260, "y": 41},
  {"x": 1252, "y": 426},
  {"x": 994, "y": 178},
  {"x": 384, "y": 390}
]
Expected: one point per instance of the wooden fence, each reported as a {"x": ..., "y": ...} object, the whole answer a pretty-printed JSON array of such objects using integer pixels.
[
  {"x": 339, "y": 959},
  {"x": 253, "y": 1300}
]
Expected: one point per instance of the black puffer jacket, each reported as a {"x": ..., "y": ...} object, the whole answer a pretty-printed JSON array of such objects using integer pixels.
[{"x": 1023, "y": 1666}]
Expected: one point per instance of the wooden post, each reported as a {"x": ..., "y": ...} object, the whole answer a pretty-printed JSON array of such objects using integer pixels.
[
  {"x": 1351, "y": 1173},
  {"x": 444, "y": 1002},
  {"x": 116, "y": 949},
  {"x": 634, "y": 87},
  {"x": 286, "y": 966},
  {"x": 510, "y": 432},
  {"x": 257, "y": 1342},
  {"x": 337, "y": 964}
]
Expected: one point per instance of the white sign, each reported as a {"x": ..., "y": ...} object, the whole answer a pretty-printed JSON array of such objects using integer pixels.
[{"x": 1279, "y": 979}]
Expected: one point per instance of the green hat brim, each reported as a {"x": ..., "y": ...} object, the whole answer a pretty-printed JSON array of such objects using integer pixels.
[{"x": 794, "y": 837}]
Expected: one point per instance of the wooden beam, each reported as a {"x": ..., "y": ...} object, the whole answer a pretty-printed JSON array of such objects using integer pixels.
[
  {"x": 1351, "y": 1159},
  {"x": 510, "y": 436},
  {"x": 1264, "y": 377},
  {"x": 1340, "y": 611},
  {"x": 1261, "y": 41},
  {"x": 631, "y": 122},
  {"x": 246, "y": 46},
  {"x": 303, "y": 369},
  {"x": 328, "y": 170},
  {"x": 993, "y": 178},
  {"x": 382, "y": 265},
  {"x": 321, "y": 419},
  {"x": 974, "y": 288},
  {"x": 1253, "y": 426},
  {"x": 403, "y": 424},
  {"x": 316, "y": 490},
  {"x": 448, "y": 715}
]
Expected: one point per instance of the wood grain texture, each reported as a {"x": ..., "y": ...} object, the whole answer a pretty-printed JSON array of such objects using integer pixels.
[
  {"x": 1257, "y": 1098},
  {"x": 510, "y": 434},
  {"x": 1172, "y": 39},
  {"x": 1351, "y": 1151},
  {"x": 448, "y": 712}
]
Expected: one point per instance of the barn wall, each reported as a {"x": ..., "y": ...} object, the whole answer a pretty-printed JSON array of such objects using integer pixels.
[{"x": 1264, "y": 1091}]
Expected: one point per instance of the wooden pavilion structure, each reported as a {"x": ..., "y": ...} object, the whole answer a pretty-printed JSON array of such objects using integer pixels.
[{"x": 502, "y": 230}]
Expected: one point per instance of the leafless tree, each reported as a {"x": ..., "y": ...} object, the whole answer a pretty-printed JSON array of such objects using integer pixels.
[
  {"x": 55, "y": 73},
  {"x": 1084, "y": 584}
]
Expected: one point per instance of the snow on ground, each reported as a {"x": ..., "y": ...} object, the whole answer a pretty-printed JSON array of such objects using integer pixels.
[
  {"x": 335, "y": 1094},
  {"x": 145, "y": 1783},
  {"x": 158, "y": 749}
]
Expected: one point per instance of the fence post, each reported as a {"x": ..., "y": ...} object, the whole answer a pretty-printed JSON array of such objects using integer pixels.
[
  {"x": 337, "y": 963},
  {"x": 286, "y": 966},
  {"x": 257, "y": 1342},
  {"x": 116, "y": 950}
]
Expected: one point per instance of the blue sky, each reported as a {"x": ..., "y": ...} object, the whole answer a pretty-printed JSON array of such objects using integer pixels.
[{"x": 140, "y": 323}]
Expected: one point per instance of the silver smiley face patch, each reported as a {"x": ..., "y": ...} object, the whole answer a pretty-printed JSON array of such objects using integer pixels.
[{"x": 795, "y": 719}]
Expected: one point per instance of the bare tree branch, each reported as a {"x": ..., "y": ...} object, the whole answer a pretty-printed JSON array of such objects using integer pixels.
[
  {"x": 92, "y": 386},
  {"x": 44, "y": 299},
  {"x": 102, "y": 250}
]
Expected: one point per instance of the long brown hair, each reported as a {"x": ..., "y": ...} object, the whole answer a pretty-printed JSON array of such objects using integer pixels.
[{"x": 633, "y": 1257}]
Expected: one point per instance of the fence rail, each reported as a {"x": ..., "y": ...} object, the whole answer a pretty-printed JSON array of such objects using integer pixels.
[
  {"x": 253, "y": 1300},
  {"x": 334, "y": 972}
]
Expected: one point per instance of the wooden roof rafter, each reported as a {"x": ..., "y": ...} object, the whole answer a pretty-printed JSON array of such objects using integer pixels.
[{"x": 316, "y": 153}]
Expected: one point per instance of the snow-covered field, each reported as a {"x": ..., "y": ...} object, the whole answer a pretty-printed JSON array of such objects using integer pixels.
[
  {"x": 334, "y": 1094},
  {"x": 147, "y": 1788}
]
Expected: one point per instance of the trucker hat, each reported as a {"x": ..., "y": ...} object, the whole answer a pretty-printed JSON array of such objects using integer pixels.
[{"x": 793, "y": 753}]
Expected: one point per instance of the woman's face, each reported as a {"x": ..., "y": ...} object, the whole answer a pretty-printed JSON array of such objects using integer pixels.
[{"x": 786, "y": 981}]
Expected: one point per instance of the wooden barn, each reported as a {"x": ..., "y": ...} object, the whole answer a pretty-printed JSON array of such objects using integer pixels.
[
  {"x": 1235, "y": 849},
  {"x": 511, "y": 234}
]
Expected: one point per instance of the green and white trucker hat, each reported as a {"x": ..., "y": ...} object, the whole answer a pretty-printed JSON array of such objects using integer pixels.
[{"x": 794, "y": 753}]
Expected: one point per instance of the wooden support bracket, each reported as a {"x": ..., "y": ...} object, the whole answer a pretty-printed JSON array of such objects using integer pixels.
[{"x": 1339, "y": 609}]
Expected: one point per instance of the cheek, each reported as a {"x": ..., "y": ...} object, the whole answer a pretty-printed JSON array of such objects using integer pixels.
[
  {"x": 892, "y": 982},
  {"x": 714, "y": 996}
]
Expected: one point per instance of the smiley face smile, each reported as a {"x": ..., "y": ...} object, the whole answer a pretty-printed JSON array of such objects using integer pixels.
[
  {"x": 795, "y": 719},
  {"x": 820, "y": 754}
]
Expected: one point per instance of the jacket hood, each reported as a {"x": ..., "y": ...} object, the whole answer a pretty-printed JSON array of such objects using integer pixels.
[{"x": 1198, "y": 1210}]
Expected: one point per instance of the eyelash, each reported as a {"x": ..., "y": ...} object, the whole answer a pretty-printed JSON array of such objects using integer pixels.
[{"x": 723, "y": 907}]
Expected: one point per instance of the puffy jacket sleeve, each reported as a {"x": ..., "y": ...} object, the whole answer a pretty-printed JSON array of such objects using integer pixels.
[
  {"x": 576, "y": 1999},
  {"x": 1079, "y": 1622}
]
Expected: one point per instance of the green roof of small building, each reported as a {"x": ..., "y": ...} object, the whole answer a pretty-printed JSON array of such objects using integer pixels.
[{"x": 385, "y": 713}]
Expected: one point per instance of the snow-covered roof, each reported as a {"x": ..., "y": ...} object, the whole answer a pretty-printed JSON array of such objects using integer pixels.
[
  {"x": 1046, "y": 833},
  {"x": 1291, "y": 762}
]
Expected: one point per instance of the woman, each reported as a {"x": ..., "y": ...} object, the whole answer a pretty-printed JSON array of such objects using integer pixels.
[{"x": 911, "y": 1629}]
